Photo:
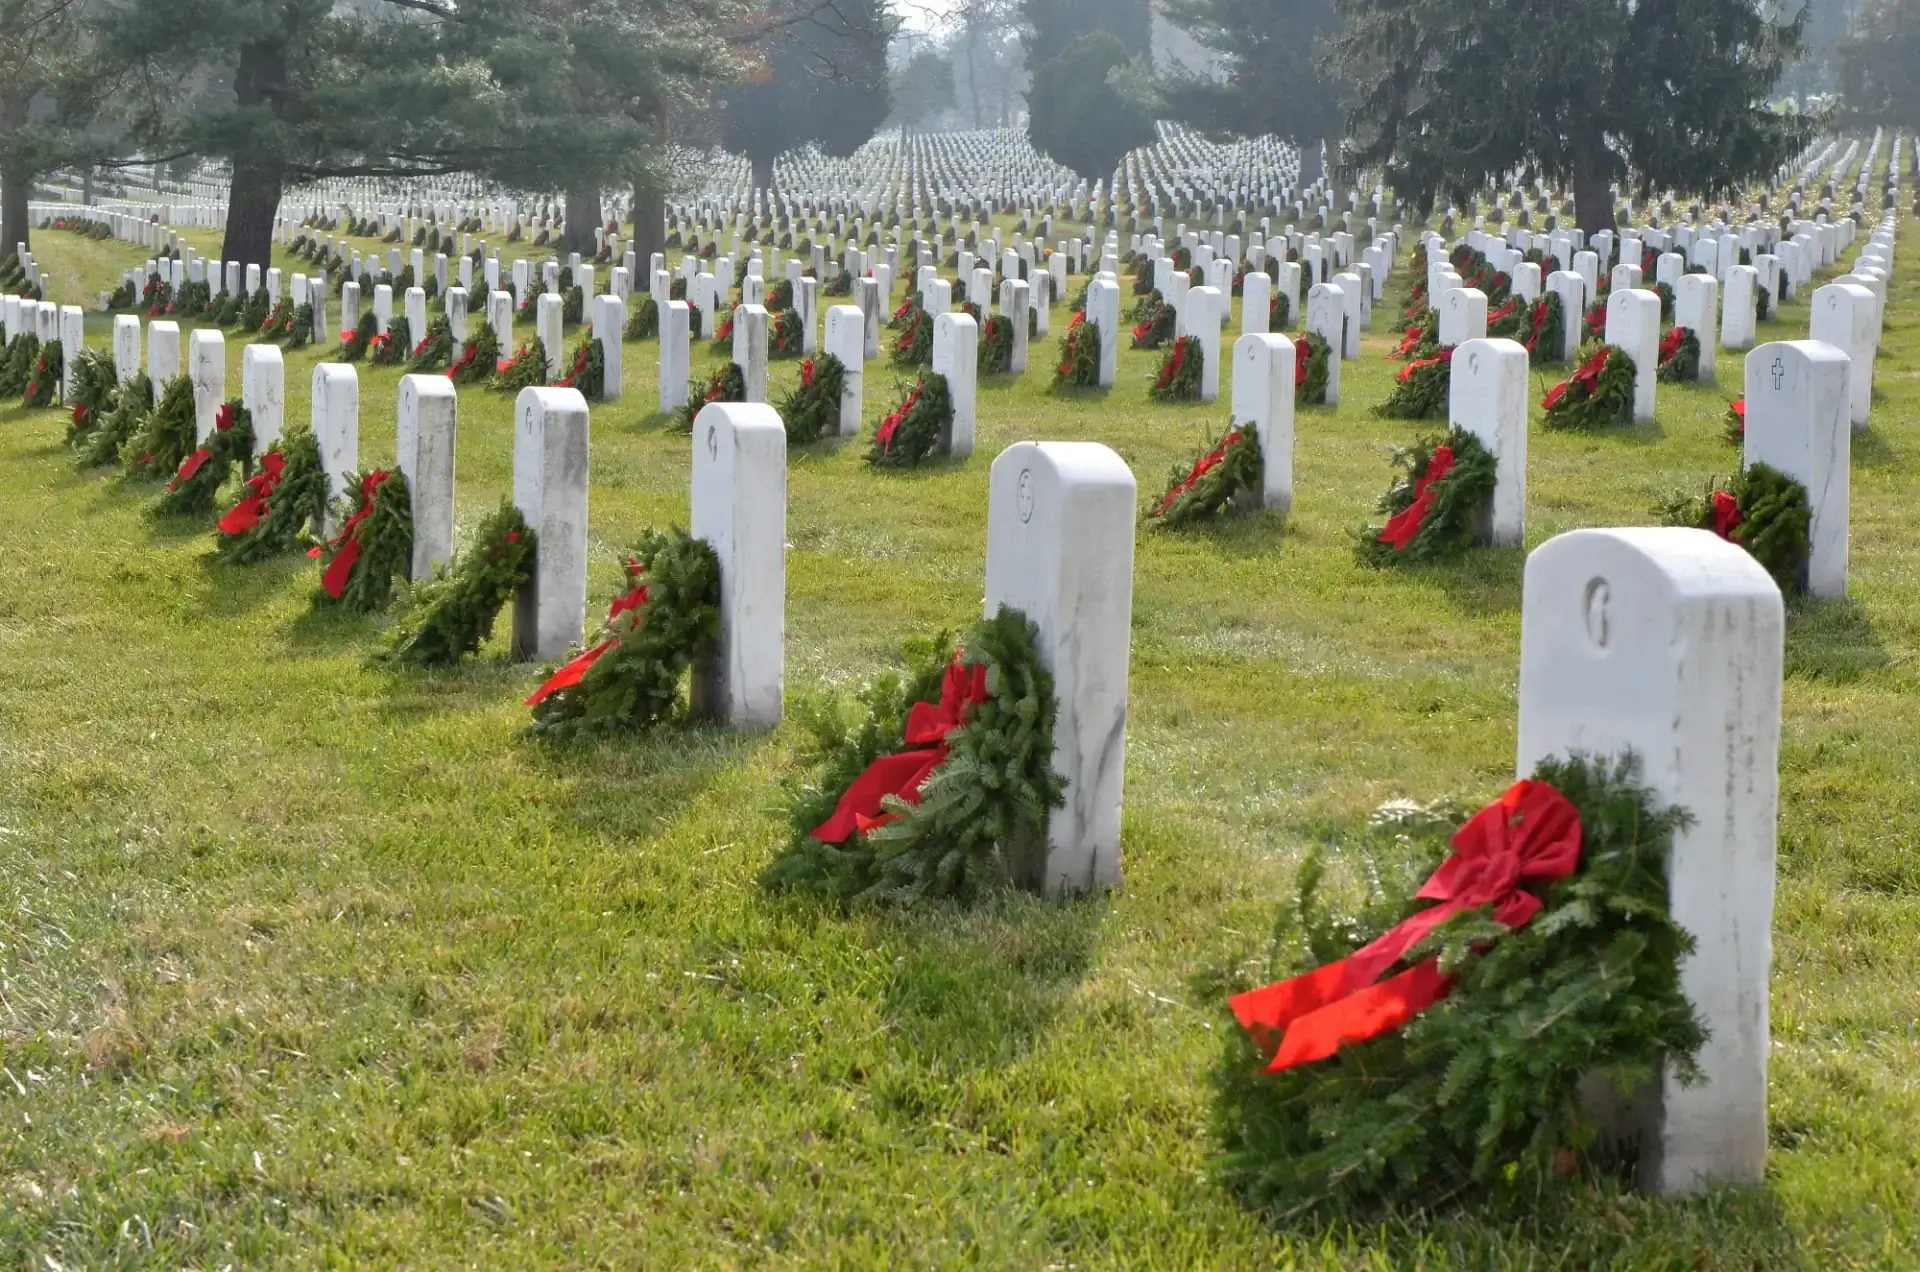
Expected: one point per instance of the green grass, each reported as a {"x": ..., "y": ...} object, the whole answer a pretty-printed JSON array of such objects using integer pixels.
[{"x": 303, "y": 963}]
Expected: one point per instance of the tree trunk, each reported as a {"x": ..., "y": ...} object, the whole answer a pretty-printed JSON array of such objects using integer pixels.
[
  {"x": 583, "y": 215},
  {"x": 649, "y": 223},
  {"x": 1592, "y": 195},
  {"x": 258, "y": 177},
  {"x": 16, "y": 184}
]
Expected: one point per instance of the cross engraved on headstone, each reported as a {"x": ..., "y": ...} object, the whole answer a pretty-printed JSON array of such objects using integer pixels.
[
  {"x": 1025, "y": 495},
  {"x": 1779, "y": 372},
  {"x": 1598, "y": 594}
]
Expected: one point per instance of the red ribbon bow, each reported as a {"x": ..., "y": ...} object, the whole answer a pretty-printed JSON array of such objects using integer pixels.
[
  {"x": 340, "y": 569},
  {"x": 1406, "y": 372},
  {"x": 223, "y": 418},
  {"x": 1302, "y": 355},
  {"x": 1670, "y": 344},
  {"x": 928, "y": 726},
  {"x": 1530, "y": 835},
  {"x": 1208, "y": 462},
  {"x": 1726, "y": 514},
  {"x": 195, "y": 462},
  {"x": 1404, "y": 525}
]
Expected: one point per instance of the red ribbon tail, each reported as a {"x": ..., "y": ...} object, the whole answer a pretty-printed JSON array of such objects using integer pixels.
[
  {"x": 1373, "y": 1011},
  {"x": 571, "y": 674},
  {"x": 244, "y": 515},
  {"x": 901, "y": 775},
  {"x": 340, "y": 569}
]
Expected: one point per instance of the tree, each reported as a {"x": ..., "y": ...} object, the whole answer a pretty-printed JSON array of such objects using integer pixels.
[
  {"x": 1259, "y": 44},
  {"x": 820, "y": 76},
  {"x": 1879, "y": 80},
  {"x": 1453, "y": 95},
  {"x": 1076, "y": 116},
  {"x": 1051, "y": 25},
  {"x": 47, "y": 98},
  {"x": 923, "y": 89},
  {"x": 985, "y": 40}
]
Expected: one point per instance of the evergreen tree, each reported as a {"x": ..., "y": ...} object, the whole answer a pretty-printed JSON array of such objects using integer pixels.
[
  {"x": 1077, "y": 117},
  {"x": 1054, "y": 24},
  {"x": 48, "y": 95},
  {"x": 1452, "y": 95},
  {"x": 1877, "y": 76},
  {"x": 1259, "y": 43},
  {"x": 820, "y": 75}
]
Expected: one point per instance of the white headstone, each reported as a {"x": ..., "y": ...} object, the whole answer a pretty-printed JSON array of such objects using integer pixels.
[
  {"x": 335, "y": 399},
  {"x": 549, "y": 314},
  {"x": 1256, "y": 305},
  {"x": 609, "y": 325},
  {"x": 1487, "y": 396},
  {"x": 1843, "y": 316},
  {"x": 846, "y": 340},
  {"x": 750, "y": 349},
  {"x": 1263, "y": 395},
  {"x": 676, "y": 353},
  {"x": 1738, "y": 317},
  {"x": 163, "y": 354},
  {"x": 1103, "y": 310},
  {"x": 1633, "y": 324},
  {"x": 956, "y": 346},
  {"x": 740, "y": 511},
  {"x": 1326, "y": 315},
  {"x": 263, "y": 391},
  {"x": 1696, "y": 306},
  {"x": 1200, "y": 320},
  {"x": 126, "y": 346},
  {"x": 207, "y": 363},
  {"x": 1463, "y": 316},
  {"x": 1668, "y": 643},
  {"x": 1797, "y": 423},
  {"x": 1572, "y": 291},
  {"x": 1060, "y": 550},
  {"x": 73, "y": 339},
  {"x": 550, "y": 455},
  {"x": 427, "y": 424}
]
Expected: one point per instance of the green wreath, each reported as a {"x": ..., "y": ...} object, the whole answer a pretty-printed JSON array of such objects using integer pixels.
[
  {"x": 1598, "y": 395},
  {"x": 1157, "y": 328},
  {"x": 812, "y": 410},
  {"x": 394, "y": 346},
  {"x": 1196, "y": 491},
  {"x": 1312, "y": 369},
  {"x": 914, "y": 348},
  {"x": 195, "y": 486},
  {"x": 644, "y": 322},
  {"x": 1178, "y": 379},
  {"x": 253, "y": 312},
  {"x": 478, "y": 359},
  {"x": 728, "y": 384},
  {"x": 435, "y": 350},
  {"x": 274, "y": 326},
  {"x": 629, "y": 680},
  {"x": 1761, "y": 509},
  {"x": 1679, "y": 357},
  {"x": 1079, "y": 366},
  {"x": 1436, "y": 506},
  {"x": 911, "y": 431},
  {"x": 1279, "y": 312},
  {"x": 48, "y": 369},
  {"x": 1478, "y": 1096},
  {"x": 527, "y": 369},
  {"x": 119, "y": 422},
  {"x": 1665, "y": 292},
  {"x": 170, "y": 432},
  {"x": 23, "y": 354},
  {"x": 449, "y": 616},
  {"x": 1549, "y": 322},
  {"x": 780, "y": 297},
  {"x": 95, "y": 384},
  {"x": 787, "y": 336},
  {"x": 300, "y": 327},
  {"x": 373, "y": 548},
  {"x": 977, "y": 823},
  {"x": 355, "y": 344},
  {"x": 1420, "y": 390},
  {"x": 281, "y": 507},
  {"x": 587, "y": 370},
  {"x": 995, "y": 354}
]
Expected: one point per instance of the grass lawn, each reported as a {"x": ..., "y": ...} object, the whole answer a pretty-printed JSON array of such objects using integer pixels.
[{"x": 303, "y": 963}]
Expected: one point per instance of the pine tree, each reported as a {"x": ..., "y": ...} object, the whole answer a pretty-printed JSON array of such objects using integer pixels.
[
  {"x": 1075, "y": 115},
  {"x": 1452, "y": 95},
  {"x": 1259, "y": 43}
]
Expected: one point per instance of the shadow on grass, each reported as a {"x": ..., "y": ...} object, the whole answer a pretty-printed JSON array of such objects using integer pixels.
[
  {"x": 1478, "y": 580},
  {"x": 1832, "y": 640},
  {"x": 236, "y": 589},
  {"x": 1871, "y": 449},
  {"x": 328, "y": 628},
  {"x": 1236, "y": 534},
  {"x": 675, "y": 765}
]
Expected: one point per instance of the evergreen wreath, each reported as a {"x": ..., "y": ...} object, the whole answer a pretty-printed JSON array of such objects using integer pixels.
[
  {"x": 300, "y": 327},
  {"x": 995, "y": 354},
  {"x": 23, "y": 353},
  {"x": 1665, "y": 292},
  {"x": 171, "y": 431},
  {"x": 840, "y": 284},
  {"x": 723, "y": 334},
  {"x": 435, "y": 350},
  {"x": 1422, "y": 339},
  {"x": 253, "y": 314},
  {"x": 1279, "y": 312},
  {"x": 629, "y": 681},
  {"x": 1476, "y": 1095},
  {"x": 1733, "y": 425},
  {"x": 281, "y": 506},
  {"x": 787, "y": 336},
  {"x": 192, "y": 491},
  {"x": 898, "y": 320},
  {"x": 914, "y": 348},
  {"x": 1079, "y": 356},
  {"x": 1549, "y": 322},
  {"x": 587, "y": 370},
  {"x": 1420, "y": 390},
  {"x": 277, "y": 326},
  {"x": 911, "y": 431},
  {"x": 644, "y": 322},
  {"x": 1598, "y": 395},
  {"x": 1513, "y": 320},
  {"x": 812, "y": 410},
  {"x": 1179, "y": 377},
  {"x": 124, "y": 297},
  {"x": 780, "y": 297},
  {"x": 961, "y": 815},
  {"x": 1157, "y": 328},
  {"x": 49, "y": 367},
  {"x": 448, "y": 617},
  {"x": 478, "y": 358},
  {"x": 526, "y": 369},
  {"x": 1197, "y": 491},
  {"x": 120, "y": 421},
  {"x": 573, "y": 306},
  {"x": 95, "y": 383},
  {"x": 374, "y": 546},
  {"x": 1436, "y": 506},
  {"x": 1761, "y": 509},
  {"x": 1312, "y": 358},
  {"x": 1679, "y": 357},
  {"x": 728, "y": 384},
  {"x": 394, "y": 346},
  {"x": 355, "y": 344}
]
